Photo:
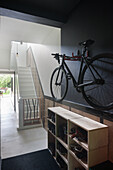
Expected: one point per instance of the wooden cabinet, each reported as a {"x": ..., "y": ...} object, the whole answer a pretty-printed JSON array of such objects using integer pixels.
[{"x": 76, "y": 141}]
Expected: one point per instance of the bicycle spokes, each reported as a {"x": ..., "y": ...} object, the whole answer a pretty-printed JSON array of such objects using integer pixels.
[
  {"x": 100, "y": 93},
  {"x": 59, "y": 84}
]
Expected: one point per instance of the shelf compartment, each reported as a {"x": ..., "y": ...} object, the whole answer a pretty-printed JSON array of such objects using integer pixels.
[
  {"x": 62, "y": 128},
  {"x": 62, "y": 156},
  {"x": 51, "y": 133},
  {"x": 85, "y": 165},
  {"x": 51, "y": 127},
  {"x": 62, "y": 164},
  {"x": 51, "y": 143},
  {"x": 80, "y": 153},
  {"x": 62, "y": 151},
  {"x": 95, "y": 130},
  {"x": 62, "y": 142},
  {"x": 51, "y": 116},
  {"x": 83, "y": 144},
  {"x": 51, "y": 121},
  {"x": 74, "y": 164},
  {"x": 77, "y": 132}
]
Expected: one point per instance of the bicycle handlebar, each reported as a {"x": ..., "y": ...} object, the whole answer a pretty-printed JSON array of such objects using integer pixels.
[
  {"x": 60, "y": 55},
  {"x": 73, "y": 58},
  {"x": 57, "y": 54}
]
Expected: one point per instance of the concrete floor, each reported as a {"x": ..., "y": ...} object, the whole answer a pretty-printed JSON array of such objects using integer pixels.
[{"x": 14, "y": 142}]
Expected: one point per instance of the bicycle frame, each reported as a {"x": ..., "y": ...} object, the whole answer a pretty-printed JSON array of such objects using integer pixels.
[
  {"x": 83, "y": 57},
  {"x": 75, "y": 82}
]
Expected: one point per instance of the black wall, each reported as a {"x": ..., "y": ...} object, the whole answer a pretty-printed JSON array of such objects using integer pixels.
[{"x": 92, "y": 19}]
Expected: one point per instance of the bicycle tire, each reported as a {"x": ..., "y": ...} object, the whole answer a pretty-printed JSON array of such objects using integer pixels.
[
  {"x": 63, "y": 87},
  {"x": 100, "y": 96}
]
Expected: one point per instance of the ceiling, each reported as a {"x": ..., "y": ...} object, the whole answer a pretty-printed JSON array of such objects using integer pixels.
[{"x": 56, "y": 10}]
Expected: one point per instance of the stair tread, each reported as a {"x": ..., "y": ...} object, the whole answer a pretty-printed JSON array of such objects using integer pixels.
[{"x": 26, "y": 84}]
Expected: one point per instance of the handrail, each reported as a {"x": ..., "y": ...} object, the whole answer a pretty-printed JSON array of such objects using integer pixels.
[
  {"x": 17, "y": 79},
  {"x": 30, "y": 61}
]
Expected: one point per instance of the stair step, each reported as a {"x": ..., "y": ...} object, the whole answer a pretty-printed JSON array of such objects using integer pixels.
[
  {"x": 26, "y": 84},
  {"x": 28, "y": 96},
  {"x": 25, "y": 80},
  {"x": 24, "y": 71},
  {"x": 25, "y": 77},
  {"x": 27, "y": 89},
  {"x": 28, "y": 92},
  {"x": 23, "y": 68}
]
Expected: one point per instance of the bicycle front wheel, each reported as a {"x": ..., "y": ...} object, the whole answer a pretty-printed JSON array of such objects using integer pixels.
[
  {"x": 100, "y": 93},
  {"x": 59, "y": 84}
]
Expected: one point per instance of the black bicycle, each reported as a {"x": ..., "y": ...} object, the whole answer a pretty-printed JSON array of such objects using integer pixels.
[{"x": 95, "y": 79}]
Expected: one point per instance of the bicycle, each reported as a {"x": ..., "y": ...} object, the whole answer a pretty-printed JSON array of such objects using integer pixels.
[{"x": 95, "y": 79}]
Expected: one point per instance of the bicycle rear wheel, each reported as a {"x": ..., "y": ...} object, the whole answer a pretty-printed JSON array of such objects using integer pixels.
[
  {"x": 59, "y": 84},
  {"x": 99, "y": 94}
]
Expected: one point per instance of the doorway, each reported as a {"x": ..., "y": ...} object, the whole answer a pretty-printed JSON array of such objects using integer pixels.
[
  {"x": 7, "y": 87},
  {"x": 7, "y": 92}
]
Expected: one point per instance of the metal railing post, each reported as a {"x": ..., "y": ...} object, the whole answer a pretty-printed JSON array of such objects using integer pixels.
[{"x": 21, "y": 113}]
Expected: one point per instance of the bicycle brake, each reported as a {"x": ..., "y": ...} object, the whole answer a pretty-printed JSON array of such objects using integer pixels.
[{"x": 57, "y": 57}]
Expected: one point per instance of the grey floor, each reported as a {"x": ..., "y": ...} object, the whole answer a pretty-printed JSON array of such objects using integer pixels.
[{"x": 14, "y": 142}]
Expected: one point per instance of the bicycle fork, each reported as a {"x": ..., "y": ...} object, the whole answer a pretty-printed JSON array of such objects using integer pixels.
[
  {"x": 57, "y": 78},
  {"x": 70, "y": 76}
]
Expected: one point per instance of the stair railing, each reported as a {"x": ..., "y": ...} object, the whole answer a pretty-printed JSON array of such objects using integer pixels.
[
  {"x": 17, "y": 91},
  {"x": 31, "y": 111},
  {"x": 30, "y": 62}
]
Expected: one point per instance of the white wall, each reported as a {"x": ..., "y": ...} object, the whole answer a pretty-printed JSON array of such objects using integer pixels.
[
  {"x": 21, "y": 49},
  {"x": 4, "y": 58},
  {"x": 44, "y": 60}
]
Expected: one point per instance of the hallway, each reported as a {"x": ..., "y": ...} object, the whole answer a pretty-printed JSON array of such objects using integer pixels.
[{"x": 14, "y": 142}]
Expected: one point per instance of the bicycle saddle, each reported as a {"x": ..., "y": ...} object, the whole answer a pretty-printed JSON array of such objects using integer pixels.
[{"x": 87, "y": 43}]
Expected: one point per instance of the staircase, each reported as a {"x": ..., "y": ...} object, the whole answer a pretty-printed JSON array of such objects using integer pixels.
[
  {"x": 26, "y": 85},
  {"x": 29, "y": 103}
]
